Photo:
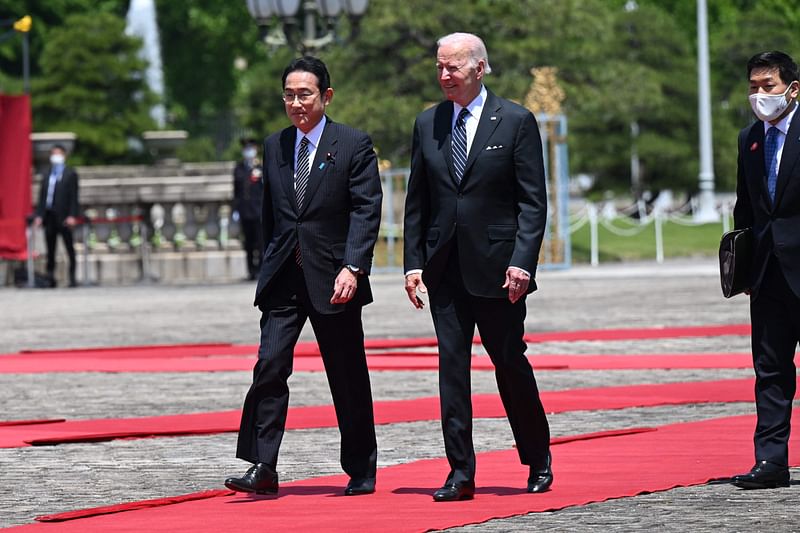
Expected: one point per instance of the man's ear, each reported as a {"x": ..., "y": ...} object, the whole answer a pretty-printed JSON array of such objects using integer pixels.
[{"x": 327, "y": 96}]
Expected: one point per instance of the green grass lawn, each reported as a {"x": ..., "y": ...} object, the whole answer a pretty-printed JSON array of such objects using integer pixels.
[{"x": 679, "y": 241}]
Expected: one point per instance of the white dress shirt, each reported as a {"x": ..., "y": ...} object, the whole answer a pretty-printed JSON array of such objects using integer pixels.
[{"x": 471, "y": 121}]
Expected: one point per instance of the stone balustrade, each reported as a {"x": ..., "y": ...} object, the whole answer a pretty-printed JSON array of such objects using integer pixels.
[{"x": 173, "y": 222}]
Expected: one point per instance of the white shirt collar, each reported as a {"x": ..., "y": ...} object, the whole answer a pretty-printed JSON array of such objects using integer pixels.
[
  {"x": 783, "y": 125},
  {"x": 313, "y": 136},
  {"x": 475, "y": 107}
]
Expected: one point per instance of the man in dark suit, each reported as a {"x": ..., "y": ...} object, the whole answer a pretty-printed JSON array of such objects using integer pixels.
[
  {"x": 474, "y": 222},
  {"x": 247, "y": 192},
  {"x": 321, "y": 215},
  {"x": 58, "y": 210},
  {"x": 768, "y": 201}
]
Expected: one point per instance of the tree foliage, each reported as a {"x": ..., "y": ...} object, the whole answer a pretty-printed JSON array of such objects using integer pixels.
[
  {"x": 93, "y": 84},
  {"x": 620, "y": 63}
]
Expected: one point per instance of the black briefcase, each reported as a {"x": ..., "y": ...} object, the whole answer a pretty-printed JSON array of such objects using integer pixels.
[{"x": 735, "y": 259}]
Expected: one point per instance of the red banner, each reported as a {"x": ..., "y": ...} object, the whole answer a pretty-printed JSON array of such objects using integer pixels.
[{"x": 15, "y": 174}]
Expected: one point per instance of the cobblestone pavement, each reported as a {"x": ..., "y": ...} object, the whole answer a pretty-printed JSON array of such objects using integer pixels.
[{"x": 42, "y": 480}]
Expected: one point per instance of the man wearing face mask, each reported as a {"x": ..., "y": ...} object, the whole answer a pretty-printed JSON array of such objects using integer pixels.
[
  {"x": 58, "y": 210},
  {"x": 247, "y": 191},
  {"x": 768, "y": 201}
]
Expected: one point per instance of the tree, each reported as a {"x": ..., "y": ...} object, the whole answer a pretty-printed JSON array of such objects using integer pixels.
[
  {"x": 200, "y": 40},
  {"x": 93, "y": 84},
  {"x": 46, "y": 16}
]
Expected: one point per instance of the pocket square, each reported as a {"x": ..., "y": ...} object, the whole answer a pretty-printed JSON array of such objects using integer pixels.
[{"x": 494, "y": 147}]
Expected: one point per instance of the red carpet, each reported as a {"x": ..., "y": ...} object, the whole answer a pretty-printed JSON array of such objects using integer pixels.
[
  {"x": 164, "y": 351},
  {"x": 387, "y": 412},
  {"x": 17, "y": 364},
  {"x": 671, "y": 456},
  {"x": 639, "y": 333}
]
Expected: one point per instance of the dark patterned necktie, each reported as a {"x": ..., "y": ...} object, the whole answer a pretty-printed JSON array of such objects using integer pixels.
[
  {"x": 302, "y": 172},
  {"x": 460, "y": 144},
  {"x": 300, "y": 183},
  {"x": 771, "y": 159}
]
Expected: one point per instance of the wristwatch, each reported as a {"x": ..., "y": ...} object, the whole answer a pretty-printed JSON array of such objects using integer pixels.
[{"x": 354, "y": 269}]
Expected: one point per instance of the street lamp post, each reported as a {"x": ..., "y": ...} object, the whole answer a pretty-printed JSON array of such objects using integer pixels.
[
  {"x": 706, "y": 209},
  {"x": 305, "y": 25}
]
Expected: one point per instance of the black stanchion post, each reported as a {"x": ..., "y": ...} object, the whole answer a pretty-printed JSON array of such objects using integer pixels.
[
  {"x": 145, "y": 253},
  {"x": 29, "y": 229},
  {"x": 85, "y": 232}
]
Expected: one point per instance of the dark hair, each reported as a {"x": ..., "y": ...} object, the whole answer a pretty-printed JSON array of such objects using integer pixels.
[
  {"x": 58, "y": 147},
  {"x": 314, "y": 66},
  {"x": 784, "y": 64}
]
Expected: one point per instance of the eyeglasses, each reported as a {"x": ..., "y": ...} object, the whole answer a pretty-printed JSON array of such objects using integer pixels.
[{"x": 303, "y": 98}]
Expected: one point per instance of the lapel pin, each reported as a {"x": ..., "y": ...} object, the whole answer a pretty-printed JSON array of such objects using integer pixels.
[
  {"x": 321, "y": 166},
  {"x": 754, "y": 147},
  {"x": 492, "y": 118}
]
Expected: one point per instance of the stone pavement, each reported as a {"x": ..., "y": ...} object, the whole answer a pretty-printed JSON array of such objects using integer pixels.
[{"x": 43, "y": 480}]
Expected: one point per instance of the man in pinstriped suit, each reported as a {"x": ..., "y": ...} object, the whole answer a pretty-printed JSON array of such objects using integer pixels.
[{"x": 320, "y": 215}]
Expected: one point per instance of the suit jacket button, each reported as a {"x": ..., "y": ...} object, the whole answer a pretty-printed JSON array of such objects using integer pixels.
[{"x": 460, "y": 196}]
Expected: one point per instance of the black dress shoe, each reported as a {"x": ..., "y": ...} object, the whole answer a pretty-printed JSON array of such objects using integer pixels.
[
  {"x": 359, "y": 486},
  {"x": 259, "y": 478},
  {"x": 453, "y": 492},
  {"x": 764, "y": 475},
  {"x": 540, "y": 479}
]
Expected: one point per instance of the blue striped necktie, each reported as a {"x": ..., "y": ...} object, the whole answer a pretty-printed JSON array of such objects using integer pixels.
[
  {"x": 460, "y": 144},
  {"x": 771, "y": 160}
]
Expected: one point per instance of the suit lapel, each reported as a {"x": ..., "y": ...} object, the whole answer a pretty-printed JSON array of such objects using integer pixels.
[
  {"x": 791, "y": 151},
  {"x": 754, "y": 161},
  {"x": 320, "y": 165},
  {"x": 286, "y": 165},
  {"x": 443, "y": 133}
]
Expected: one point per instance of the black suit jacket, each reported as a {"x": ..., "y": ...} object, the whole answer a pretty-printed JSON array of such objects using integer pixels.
[
  {"x": 248, "y": 189},
  {"x": 776, "y": 226},
  {"x": 496, "y": 214},
  {"x": 340, "y": 218},
  {"x": 65, "y": 195}
]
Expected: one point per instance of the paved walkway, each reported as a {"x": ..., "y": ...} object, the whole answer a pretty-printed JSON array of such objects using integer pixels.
[{"x": 52, "y": 479}]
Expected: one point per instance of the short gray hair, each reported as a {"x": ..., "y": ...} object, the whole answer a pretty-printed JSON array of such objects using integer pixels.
[{"x": 473, "y": 44}]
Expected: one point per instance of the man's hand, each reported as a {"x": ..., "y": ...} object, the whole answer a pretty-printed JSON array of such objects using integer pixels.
[
  {"x": 70, "y": 222},
  {"x": 344, "y": 288},
  {"x": 414, "y": 282},
  {"x": 517, "y": 283}
]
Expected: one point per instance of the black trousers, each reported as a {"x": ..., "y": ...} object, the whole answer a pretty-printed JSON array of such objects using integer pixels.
[
  {"x": 501, "y": 326},
  {"x": 775, "y": 319},
  {"x": 52, "y": 229},
  {"x": 341, "y": 340},
  {"x": 253, "y": 244}
]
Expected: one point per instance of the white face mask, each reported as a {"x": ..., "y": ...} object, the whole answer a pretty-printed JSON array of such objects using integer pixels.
[
  {"x": 57, "y": 159},
  {"x": 768, "y": 107},
  {"x": 249, "y": 153}
]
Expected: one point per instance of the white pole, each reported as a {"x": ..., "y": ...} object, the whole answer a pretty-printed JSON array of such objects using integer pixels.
[
  {"x": 659, "y": 237},
  {"x": 594, "y": 244},
  {"x": 707, "y": 211},
  {"x": 726, "y": 221}
]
